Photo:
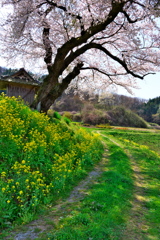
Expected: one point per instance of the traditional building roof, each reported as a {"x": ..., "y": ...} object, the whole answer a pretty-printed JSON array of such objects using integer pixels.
[{"x": 20, "y": 77}]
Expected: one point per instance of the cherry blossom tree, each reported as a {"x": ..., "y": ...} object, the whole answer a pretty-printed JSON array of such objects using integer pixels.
[{"x": 99, "y": 42}]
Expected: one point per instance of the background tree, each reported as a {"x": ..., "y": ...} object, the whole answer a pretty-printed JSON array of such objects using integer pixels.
[
  {"x": 150, "y": 109},
  {"x": 112, "y": 41},
  {"x": 156, "y": 117}
]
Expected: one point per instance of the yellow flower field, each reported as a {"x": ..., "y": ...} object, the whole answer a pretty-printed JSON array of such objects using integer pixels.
[{"x": 39, "y": 158}]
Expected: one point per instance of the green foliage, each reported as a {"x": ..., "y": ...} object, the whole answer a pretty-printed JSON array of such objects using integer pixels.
[
  {"x": 39, "y": 159},
  {"x": 120, "y": 116},
  {"x": 150, "y": 108},
  {"x": 67, "y": 120},
  {"x": 156, "y": 118},
  {"x": 57, "y": 115}
]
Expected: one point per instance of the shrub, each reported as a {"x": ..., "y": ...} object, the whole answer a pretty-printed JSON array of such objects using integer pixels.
[
  {"x": 67, "y": 120},
  {"x": 68, "y": 115},
  {"x": 156, "y": 118},
  {"x": 50, "y": 112},
  {"x": 77, "y": 117},
  {"x": 120, "y": 116},
  {"x": 57, "y": 115},
  {"x": 93, "y": 116}
]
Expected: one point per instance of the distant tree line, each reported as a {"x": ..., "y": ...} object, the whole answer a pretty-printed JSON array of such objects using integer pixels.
[{"x": 149, "y": 110}]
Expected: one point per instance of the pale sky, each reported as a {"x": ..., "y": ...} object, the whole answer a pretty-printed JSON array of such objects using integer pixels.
[{"x": 149, "y": 87}]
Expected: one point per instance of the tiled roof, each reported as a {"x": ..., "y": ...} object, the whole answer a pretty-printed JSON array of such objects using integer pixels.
[{"x": 21, "y": 77}]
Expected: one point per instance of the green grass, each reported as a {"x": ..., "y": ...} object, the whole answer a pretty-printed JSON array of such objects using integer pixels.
[
  {"x": 145, "y": 149},
  {"x": 103, "y": 213},
  {"x": 150, "y": 165},
  {"x": 148, "y": 138}
]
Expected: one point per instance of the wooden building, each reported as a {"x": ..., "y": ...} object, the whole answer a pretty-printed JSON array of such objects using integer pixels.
[{"x": 20, "y": 84}]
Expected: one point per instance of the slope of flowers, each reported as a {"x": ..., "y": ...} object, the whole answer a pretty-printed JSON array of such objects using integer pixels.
[{"x": 38, "y": 158}]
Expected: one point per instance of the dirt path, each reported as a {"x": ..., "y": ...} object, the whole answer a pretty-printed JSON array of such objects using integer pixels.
[
  {"x": 136, "y": 224},
  {"x": 35, "y": 228}
]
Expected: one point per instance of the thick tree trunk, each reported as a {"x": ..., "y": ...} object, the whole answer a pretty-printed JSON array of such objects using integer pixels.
[
  {"x": 50, "y": 98},
  {"x": 51, "y": 89},
  {"x": 47, "y": 95}
]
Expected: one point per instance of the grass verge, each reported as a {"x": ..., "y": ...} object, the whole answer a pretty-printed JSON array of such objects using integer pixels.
[
  {"x": 103, "y": 213},
  {"x": 144, "y": 148}
]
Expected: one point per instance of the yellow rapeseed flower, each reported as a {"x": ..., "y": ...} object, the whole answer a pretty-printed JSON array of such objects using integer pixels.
[{"x": 3, "y": 174}]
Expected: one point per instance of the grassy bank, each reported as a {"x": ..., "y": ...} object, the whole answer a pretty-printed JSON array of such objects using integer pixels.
[{"x": 40, "y": 158}]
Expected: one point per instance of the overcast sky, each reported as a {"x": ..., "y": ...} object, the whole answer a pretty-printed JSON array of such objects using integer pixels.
[{"x": 149, "y": 87}]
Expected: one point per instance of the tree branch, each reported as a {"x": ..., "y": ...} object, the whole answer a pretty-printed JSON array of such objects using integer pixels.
[
  {"x": 102, "y": 72},
  {"x": 117, "y": 7},
  {"x": 47, "y": 45},
  {"x": 91, "y": 45},
  {"x": 63, "y": 8},
  {"x": 75, "y": 72},
  {"x": 128, "y": 17},
  {"x": 122, "y": 63}
]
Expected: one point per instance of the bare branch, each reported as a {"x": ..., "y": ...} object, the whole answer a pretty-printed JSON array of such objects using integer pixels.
[
  {"x": 102, "y": 72},
  {"x": 121, "y": 62},
  {"x": 128, "y": 17}
]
